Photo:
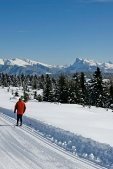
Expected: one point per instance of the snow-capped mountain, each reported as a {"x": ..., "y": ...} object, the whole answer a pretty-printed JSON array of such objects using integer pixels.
[
  {"x": 85, "y": 65},
  {"x": 26, "y": 66}
]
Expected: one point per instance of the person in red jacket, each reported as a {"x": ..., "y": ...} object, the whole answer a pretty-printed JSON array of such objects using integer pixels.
[{"x": 20, "y": 108}]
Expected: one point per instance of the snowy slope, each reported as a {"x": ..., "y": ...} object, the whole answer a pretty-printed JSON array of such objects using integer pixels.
[{"x": 73, "y": 127}]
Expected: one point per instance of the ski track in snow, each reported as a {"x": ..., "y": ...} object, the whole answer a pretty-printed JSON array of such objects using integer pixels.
[{"x": 21, "y": 147}]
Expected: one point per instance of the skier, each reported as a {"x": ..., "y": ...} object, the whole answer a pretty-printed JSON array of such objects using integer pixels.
[{"x": 19, "y": 108}]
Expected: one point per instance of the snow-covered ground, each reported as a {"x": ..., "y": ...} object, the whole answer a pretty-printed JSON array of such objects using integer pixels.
[
  {"x": 95, "y": 123},
  {"x": 20, "y": 148},
  {"x": 87, "y": 132}
]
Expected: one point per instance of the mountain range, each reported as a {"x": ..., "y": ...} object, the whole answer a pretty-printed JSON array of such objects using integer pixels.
[{"x": 18, "y": 66}]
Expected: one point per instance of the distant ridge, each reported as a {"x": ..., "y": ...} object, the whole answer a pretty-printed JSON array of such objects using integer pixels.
[
  {"x": 85, "y": 65},
  {"x": 18, "y": 66}
]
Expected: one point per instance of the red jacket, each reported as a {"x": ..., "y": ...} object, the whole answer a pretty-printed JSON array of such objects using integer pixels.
[{"x": 20, "y": 107}]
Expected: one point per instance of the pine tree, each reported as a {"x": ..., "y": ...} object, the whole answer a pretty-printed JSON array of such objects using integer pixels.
[
  {"x": 34, "y": 82},
  {"x": 62, "y": 90},
  {"x": 35, "y": 95},
  {"x": 96, "y": 89},
  {"x": 47, "y": 91},
  {"x": 71, "y": 93},
  {"x": 111, "y": 94},
  {"x": 83, "y": 89},
  {"x": 77, "y": 90},
  {"x": 72, "y": 89},
  {"x": 41, "y": 82}
]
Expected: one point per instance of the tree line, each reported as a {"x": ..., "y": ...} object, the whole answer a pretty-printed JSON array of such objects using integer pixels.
[{"x": 73, "y": 89}]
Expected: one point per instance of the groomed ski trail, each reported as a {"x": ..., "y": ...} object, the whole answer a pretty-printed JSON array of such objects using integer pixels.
[{"x": 22, "y": 147}]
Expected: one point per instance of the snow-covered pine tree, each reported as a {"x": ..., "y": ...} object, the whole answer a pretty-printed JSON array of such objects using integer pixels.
[
  {"x": 71, "y": 91},
  {"x": 78, "y": 91},
  {"x": 41, "y": 82},
  {"x": 34, "y": 82}
]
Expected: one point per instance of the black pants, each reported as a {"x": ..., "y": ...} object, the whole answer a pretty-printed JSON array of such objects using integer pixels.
[{"x": 19, "y": 118}]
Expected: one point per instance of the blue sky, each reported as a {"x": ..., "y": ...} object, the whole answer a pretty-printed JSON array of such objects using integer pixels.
[{"x": 56, "y": 31}]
